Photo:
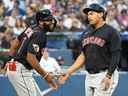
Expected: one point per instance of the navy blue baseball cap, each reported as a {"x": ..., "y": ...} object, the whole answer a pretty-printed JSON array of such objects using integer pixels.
[
  {"x": 44, "y": 15},
  {"x": 94, "y": 7}
]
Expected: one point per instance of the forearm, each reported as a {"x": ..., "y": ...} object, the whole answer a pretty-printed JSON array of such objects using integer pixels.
[
  {"x": 31, "y": 58},
  {"x": 114, "y": 62},
  {"x": 77, "y": 64}
]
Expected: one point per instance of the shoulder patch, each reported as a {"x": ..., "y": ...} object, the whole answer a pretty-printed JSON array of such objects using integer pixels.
[
  {"x": 29, "y": 32},
  {"x": 36, "y": 47}
]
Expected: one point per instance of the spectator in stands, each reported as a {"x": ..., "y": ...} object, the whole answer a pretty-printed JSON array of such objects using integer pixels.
[
  {"x": 34, "y": 7},
  {"x": 76, "y": 23},
  {"x": 112, "y": 18},
  {"x": 19, "y": 26},
  {"x": 49, "y": 64},
  {"x": 29, "y": 11},
  {"x": 14, "y": 4},
  {"x": 60, "y": 60},
  {"x": 123, "y": 18},
  {"x": 2, "y": 12},
  {"x": 5, "y": 21},
  {"x": 5, "y": 42},
  {"x": 2, "y": 30},
  {"x": 12, "y": 17},
  {"x": 47, "y": 4},
  {"x": 67, "y": 23},
  {"x": 30, "y": 16}
]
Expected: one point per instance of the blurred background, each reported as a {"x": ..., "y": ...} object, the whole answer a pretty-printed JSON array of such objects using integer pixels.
[{"x": 63, "y": 43}]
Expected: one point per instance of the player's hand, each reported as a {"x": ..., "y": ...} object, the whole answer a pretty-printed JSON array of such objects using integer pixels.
[
  {"x": 63, "y": 77},
  {"x": 106, "y": 83},
  {"x": 51, "y": 82}
]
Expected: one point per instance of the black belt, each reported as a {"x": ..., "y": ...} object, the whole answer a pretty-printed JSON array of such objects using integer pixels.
[{"x": 96, "y": 71}]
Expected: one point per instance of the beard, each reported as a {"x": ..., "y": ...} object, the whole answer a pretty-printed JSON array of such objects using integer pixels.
[{"x": 48, "y": 27}]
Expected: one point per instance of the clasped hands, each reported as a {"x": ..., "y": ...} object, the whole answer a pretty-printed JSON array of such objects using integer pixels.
[{"x": 63, "y": 76}]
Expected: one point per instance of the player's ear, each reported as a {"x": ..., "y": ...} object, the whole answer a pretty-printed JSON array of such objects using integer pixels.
[{"x": 101, "y": 14}]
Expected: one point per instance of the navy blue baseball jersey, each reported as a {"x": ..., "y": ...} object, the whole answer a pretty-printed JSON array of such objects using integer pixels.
[
  {"x": 99, "y": 47},
  {"x": 32, "y": 42}
]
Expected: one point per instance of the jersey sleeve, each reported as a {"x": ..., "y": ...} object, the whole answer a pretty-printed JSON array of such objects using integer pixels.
[
  {"x": 26, "y": 33},
  {"x": 115, "y": 48},
  {"x": 36, "y": 44}
]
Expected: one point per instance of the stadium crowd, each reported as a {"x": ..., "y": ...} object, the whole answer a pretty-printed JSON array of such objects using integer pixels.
[{"x": 67, "y": 12}]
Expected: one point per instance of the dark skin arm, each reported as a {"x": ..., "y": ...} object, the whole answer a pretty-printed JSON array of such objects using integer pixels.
[{"x": 31, "y": 58}]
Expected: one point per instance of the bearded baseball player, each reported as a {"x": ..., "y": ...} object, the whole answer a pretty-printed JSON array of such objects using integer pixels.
[
  {"x": 27, "y": 57},
  {"x": 101, "y": 47}
]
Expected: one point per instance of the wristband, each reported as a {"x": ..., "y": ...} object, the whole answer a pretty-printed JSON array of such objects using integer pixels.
[
  {"x": 108, "y": 76},
  {"x": 45, "y": 75}
]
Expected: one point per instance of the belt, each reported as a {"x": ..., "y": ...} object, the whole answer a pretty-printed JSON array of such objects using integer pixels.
[{"x": 96, "y": 71}]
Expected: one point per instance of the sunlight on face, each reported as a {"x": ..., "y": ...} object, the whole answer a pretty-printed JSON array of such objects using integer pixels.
[{"x": 93, "y": 17}]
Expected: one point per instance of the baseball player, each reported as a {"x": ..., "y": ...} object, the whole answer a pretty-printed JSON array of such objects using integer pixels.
[
  {"x": 101, "y": 46},
  {"x": 30, "y": 43}
]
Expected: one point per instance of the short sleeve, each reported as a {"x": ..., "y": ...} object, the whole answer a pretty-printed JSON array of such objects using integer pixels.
[{"x": 36, "y": 44}]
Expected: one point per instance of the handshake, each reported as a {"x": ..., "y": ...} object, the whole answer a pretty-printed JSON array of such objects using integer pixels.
[{"x": 55, "y": 80}]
